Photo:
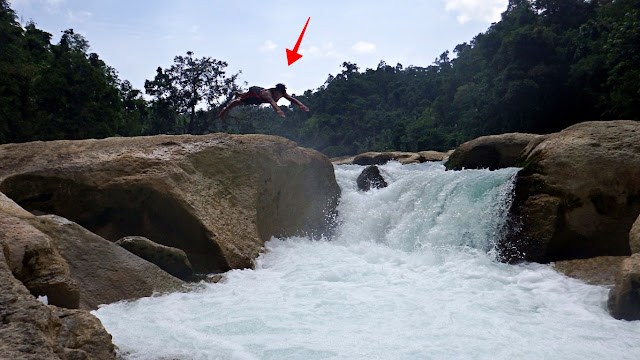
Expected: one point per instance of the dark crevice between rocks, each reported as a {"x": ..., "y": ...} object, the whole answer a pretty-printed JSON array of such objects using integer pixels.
[{"x": 116, "y": 211}]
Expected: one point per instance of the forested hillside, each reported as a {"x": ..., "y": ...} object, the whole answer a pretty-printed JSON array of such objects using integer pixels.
[
  {"x": 546, "y": 65},
  {"x": 61, "y": 91},
  {"x": 52, "y": 91}
]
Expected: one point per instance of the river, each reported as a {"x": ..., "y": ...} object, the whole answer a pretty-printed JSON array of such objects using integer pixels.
[{"x": 410, "y": 273}]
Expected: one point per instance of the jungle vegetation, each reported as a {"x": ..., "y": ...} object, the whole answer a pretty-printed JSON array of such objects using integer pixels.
[{"x": 545, "y": 65}]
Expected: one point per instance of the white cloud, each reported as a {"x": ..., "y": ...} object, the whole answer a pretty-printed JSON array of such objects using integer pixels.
[
  {"x": 329, "y": 50},
  {"x": 310, "y": 51},
  {"x": 268, "y": 46},
  {"x": 22, "y": 3},
  {"x": 50, "y": 7},
  {"x": 15, "y": 3},
  {"x": 28, "y": 2},
  {"x": 78, "y": 16},
  {"x": 326, "y": 50},
  {"x": 481, "y": 10},
  {"x": 364, "y": 47}
]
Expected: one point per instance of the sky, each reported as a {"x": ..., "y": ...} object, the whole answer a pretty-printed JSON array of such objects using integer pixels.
[{"x": 136, "y": 37}]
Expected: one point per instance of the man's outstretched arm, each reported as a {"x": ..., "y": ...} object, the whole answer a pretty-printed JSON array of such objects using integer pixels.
[
  {"x": 302, "y": 106},
  {"x": 276, "y": 108},
  {"x": 267, "y": 95}
]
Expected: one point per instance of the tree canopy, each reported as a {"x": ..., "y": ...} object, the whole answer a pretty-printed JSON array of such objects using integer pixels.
[
  {"x": 53, "y": 91},
  {"x": 190, "y": 83}
]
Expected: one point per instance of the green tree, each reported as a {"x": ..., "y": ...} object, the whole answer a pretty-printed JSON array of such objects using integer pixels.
[
  {"x": 14, "y": 75},
  {"x": 136, "y": 111},
  {"x": 60, "y": 91},
  {"x": 78, "y": 92},
  {"x": 190, "y": 83}
]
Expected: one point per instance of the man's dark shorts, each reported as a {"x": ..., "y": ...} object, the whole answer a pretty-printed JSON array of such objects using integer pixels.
[{"x": 253, "y": 96}]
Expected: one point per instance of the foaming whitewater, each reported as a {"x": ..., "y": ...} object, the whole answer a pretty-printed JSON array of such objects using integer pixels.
[{"x": 409, "y": 274}]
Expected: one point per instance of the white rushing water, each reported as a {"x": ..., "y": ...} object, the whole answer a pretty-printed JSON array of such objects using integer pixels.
[{"x": 410, "y": 274}]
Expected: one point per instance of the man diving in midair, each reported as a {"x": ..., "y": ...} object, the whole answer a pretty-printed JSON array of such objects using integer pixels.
[{"x": 257, "y": 95}]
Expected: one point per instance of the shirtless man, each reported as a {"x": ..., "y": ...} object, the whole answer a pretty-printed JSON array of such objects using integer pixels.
[{"x": 257, "y": 95}]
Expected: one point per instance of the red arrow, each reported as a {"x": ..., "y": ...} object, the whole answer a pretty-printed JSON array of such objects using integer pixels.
[{"x": 293, "y": 56}]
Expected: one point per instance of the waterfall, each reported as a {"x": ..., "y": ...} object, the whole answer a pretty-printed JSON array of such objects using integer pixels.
[
  {"x": 410, "y": 273},
  {"x": 426, "y": 206}
]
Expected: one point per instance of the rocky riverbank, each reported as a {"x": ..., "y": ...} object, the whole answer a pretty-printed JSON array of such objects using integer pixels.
[
  {"x": 576, "y": 197},
  {"x": 216, "y": 198},
  {"x": 211, "y": 202},
  {"x": 577, "y": 200}
]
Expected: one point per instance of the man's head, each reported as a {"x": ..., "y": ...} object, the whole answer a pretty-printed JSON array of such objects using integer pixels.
[{"x": 281, "y": 89}]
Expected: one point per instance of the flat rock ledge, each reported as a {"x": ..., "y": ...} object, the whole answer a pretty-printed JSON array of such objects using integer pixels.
[
  {"x": 381, "y": 158},
  {"x": 595, "y": 271}
]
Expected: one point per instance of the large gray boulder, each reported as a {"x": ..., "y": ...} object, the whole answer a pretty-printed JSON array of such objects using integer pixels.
[
  {"x": 172, "y": 260},
  {"x": 31, "y": 330},
  {"x": 490, "y": 152},
  {"x": 577, "y": 195},
  {"x": 57, "y": 260},
  {"x": 370, "y": 178},
  {"x": 74, "y": 268},
  {"x": 105, "y": 272},
  {"x": 217, "y": 197},
  {"x": 33, "y": 259},
  {"x": 624, "y": 297}
]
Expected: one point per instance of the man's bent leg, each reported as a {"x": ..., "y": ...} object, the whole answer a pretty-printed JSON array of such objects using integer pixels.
[{"x": 233, "y": 104}]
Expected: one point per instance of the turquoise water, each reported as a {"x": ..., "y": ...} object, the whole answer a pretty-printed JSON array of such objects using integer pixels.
[{"x": 409, "y": 274}]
